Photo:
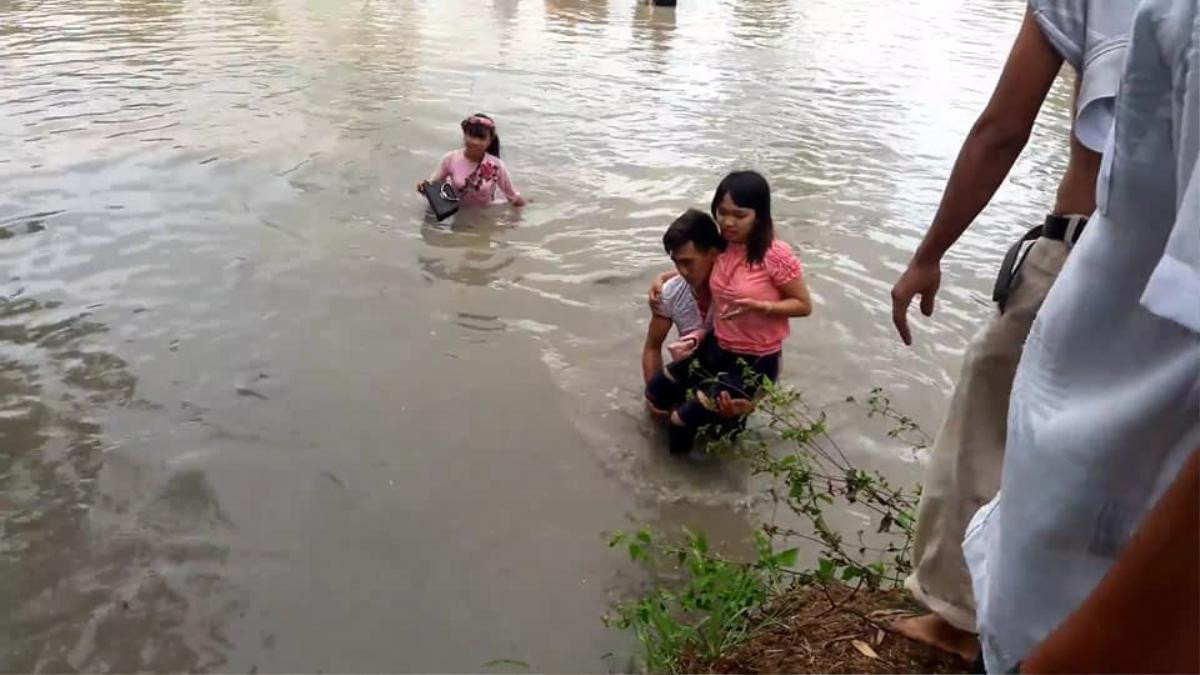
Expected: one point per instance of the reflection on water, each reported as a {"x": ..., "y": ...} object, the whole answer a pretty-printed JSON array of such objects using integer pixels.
[{"x": 259, "y": 411}]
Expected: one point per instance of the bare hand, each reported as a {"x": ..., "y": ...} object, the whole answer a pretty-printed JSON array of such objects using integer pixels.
[
  {"x": 921, "y": 279},
  {"x": 519, "y": 201},
  {"x": 654, "y": 297},
  {"x": 743, "y": 305},
  {"x": 683, "y": 348},
  {"x": 422, "y": 186},
  {"x": 731, "y": 408}
]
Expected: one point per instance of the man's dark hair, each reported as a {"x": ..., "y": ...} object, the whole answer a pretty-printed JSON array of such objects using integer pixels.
[{"x": 697, "y": 227}]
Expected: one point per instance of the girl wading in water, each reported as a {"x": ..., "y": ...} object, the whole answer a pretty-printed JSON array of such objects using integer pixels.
[{"x": 475, "y": 171}]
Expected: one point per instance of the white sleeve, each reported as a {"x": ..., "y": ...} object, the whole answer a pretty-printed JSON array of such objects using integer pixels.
[
  {"x": 1099, "y": 80},
  {"x": 1063, "y": 22},
  {"x": 1173, "y": 291},
  {"x": 1093, "y": 36}
]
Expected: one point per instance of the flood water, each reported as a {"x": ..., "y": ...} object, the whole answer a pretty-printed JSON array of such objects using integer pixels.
[{"x": 259, "y": 413}]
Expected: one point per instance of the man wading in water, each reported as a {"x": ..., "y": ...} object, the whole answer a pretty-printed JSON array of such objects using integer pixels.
[{"x": 964, "y": 465}]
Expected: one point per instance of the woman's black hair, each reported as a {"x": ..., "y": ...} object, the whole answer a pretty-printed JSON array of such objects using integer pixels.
[
  {"x": 696, "y": 227},
  {"x": 749, "y": 190},
  {"x": 478, "y": 130}
]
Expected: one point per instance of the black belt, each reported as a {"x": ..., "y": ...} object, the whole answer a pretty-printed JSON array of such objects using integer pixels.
[{"x": 1063, "y": 228}]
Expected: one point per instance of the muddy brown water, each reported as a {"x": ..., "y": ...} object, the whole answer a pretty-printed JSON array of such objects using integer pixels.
[{"x": 258, "y": 412}]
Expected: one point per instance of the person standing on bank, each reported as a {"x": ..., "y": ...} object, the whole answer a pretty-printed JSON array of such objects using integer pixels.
[{"x": 964, "y": 465}]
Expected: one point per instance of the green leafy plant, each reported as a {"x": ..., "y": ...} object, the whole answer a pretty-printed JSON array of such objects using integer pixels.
[
  {"x": 708, "y": 610},
  {"x": 708, "y": 606},
  {"x": 811, "y": 475}
]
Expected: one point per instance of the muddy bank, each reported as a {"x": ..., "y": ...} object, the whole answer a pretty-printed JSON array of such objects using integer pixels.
[{"x": 812, "y": 629}]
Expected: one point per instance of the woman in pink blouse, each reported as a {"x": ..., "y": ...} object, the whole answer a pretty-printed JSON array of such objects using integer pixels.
[
  {"x": 757, "y": 285},
  {"x": 475, "y": 170}
]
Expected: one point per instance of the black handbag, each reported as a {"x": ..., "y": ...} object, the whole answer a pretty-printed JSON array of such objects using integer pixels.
[{"x": 443, "y": 199}]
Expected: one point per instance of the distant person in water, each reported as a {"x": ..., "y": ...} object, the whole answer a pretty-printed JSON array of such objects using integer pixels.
[
  {"x": 756, "y": 286},
  {"x": 693, "y": 242},
  {"x": 476, "y": 170}
]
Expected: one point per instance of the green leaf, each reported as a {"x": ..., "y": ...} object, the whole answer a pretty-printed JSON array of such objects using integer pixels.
[
  {"x": 851, "y": 573},
  {"x": 637, "y": 551},
  {"x": 643, "y": 536},
  {"x": 787, "y": 558},
  {"x": 825, "y": 569}
]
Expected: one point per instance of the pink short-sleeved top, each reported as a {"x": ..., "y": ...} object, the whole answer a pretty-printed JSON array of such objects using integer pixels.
[
  {"x": 475, "y": 183},
  {"x": 734, "y": 277}
]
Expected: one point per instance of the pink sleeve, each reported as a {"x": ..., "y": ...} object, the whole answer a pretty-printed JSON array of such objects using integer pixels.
[
  {"x": 782, "y": 264},
  {"x": 505, "y": 183},
  {"x": 443, "y": 168}
]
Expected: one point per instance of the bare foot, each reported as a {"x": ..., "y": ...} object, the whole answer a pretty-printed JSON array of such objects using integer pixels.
[{"x": 935, "y": 631}]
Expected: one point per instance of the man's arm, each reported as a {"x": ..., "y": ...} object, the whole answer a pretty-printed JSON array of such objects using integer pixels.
[
  {"x": 1144, "y": 617},
  {"x": 987, "y": 155},
  {"x": 656, "y": 334}
]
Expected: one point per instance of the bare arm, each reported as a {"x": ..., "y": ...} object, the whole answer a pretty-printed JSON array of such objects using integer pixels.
[
  {"x": 1144, "y": 617},
  {"x": 656, "y": 334},
  {"x": 987, "y": 155},
  {"x": 795, "y": 301},
  {"x": 510, "y": 191},
  {"x": 442, "y": 170}
]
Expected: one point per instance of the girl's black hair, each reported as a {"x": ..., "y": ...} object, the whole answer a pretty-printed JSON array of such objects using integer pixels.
[
  {"x": 478, "y": 130},
  {"x": 749, "y": 190}
]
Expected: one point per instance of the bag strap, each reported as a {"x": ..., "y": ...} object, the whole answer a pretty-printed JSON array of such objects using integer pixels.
[
  {"x": 1011, "y": 265},
  {"x": 467, "y": 183}
]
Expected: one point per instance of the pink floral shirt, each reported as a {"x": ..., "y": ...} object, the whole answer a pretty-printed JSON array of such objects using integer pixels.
[
  {"x": 475, "y": 183},
  {"x": 734, "y": 277}
]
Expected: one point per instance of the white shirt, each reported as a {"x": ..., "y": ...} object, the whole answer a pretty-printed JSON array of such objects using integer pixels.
[
  {"x": 1091, "y": 35},
  {"x": 1106, "y": 402}
]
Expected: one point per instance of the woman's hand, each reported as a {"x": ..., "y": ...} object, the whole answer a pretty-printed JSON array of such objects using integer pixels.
[
  {"x": 741, "y": 306},
  {"x": 422, "y": 186},
  {"x": 518, "y": 201},
  {"x": 683, "y": 348},
  {"x": 654, "y": 297}
]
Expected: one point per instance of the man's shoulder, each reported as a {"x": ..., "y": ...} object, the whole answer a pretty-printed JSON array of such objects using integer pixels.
[
  {"x": 677, "y": 296},
  {"x": 677, "y": 290}
]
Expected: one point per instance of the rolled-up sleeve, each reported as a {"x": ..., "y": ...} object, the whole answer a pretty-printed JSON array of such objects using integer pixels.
[{"x": 1173, "y": 291}]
